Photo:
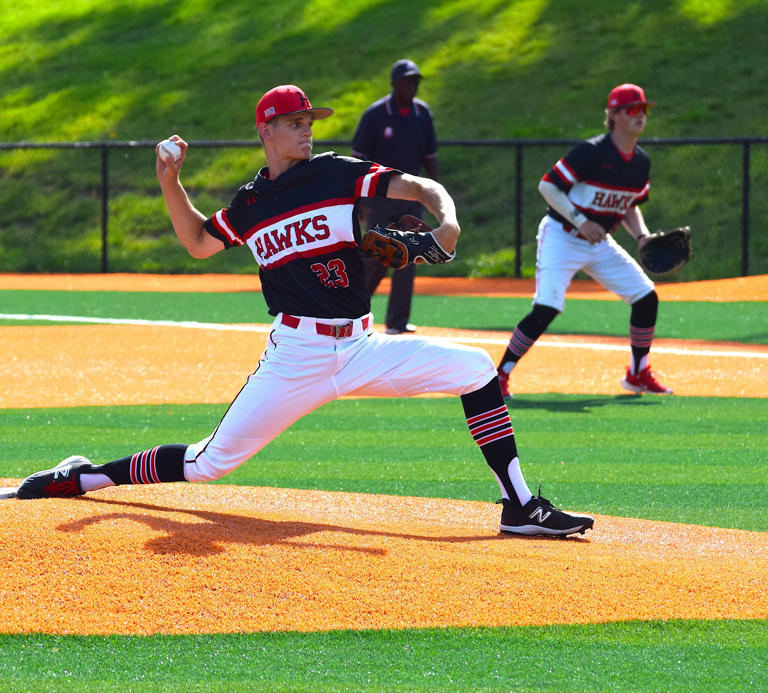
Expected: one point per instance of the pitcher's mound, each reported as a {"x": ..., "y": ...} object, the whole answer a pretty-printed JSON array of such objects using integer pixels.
[{"x": 184, "y": 558}]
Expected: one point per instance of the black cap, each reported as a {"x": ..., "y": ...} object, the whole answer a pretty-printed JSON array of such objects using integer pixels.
[{"x": 404, "y": 68}]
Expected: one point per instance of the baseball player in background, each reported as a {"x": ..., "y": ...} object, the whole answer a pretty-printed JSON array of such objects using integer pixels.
[
  {"x": 596, "y": 186},
  {"x": 298, "y": 217}
]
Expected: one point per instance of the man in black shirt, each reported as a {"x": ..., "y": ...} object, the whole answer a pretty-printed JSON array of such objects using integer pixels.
[{"x": 397, "y": 131}]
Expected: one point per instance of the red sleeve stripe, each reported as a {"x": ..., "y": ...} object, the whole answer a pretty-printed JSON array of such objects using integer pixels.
[
  {"x": 558, "y": 179},
  {"x": 366, "y": 185},
  {"x": 565, "y": 172},
  {"x": 221, "y": 222}
]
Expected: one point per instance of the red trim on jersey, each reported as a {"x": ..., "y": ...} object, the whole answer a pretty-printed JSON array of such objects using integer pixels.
[
  {"x": 564, "y": 164},
  {"x": 366, "y": 185},
  {"x": 273, "y": 221},
  {"x": 567, "y": 183},
  {"x": 622, "y": 188},
  {"x": 627, "y": 157},
  {"x": 643, "y": 195},
  {"x": 308, "y": 253},
  {"x": 618, "y": 216},
  {"x": 221, "y": 222}
]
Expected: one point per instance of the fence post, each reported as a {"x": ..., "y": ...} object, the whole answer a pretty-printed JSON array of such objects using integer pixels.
[
  {"x": 104, "y": 208},
  {"x": 745, "y": 166},
  {"x": 518, "y": 208}
]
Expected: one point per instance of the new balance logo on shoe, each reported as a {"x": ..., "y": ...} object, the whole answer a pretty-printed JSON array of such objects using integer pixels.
[
  {"x": 63, "y": 481},
  {"x": 539, "y": 515}
]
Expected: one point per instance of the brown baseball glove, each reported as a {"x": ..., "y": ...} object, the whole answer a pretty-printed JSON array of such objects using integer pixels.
[{"x": 404, "y": 242}]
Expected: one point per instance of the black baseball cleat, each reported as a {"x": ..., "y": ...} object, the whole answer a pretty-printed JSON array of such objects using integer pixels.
[
  {"x": 63, "y": 481},
  {"x": 539, "y": 516}
]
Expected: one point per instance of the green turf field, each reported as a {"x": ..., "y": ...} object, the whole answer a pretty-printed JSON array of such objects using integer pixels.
[
  {"x": 684, "y": 459},
  {"x": 661, "y": 458},
  {"x": 743, "y": 321},
  {"x": 673, "y": 656}
]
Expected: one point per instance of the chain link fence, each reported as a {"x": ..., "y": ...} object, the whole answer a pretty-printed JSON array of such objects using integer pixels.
[{"x": 96, "y": 206}]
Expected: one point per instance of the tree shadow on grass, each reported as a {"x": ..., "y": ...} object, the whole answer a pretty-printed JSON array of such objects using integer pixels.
[{"x": 217, "y": 529}]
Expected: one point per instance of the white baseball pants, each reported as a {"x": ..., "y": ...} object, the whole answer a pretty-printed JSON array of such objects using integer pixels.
[
  {"x": 560, "y": 254},
  {"x": 301, "y": 370}
]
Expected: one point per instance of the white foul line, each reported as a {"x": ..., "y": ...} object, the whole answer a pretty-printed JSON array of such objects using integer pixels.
[
  {"x": 264, "y": 329},
  {"x": 191, "y": 324}
]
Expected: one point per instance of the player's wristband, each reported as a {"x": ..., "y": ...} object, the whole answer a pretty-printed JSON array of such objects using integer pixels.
[{"x": 577, "y": 218}]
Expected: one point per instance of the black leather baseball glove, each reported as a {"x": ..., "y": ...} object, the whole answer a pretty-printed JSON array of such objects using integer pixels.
[
  {"x": 405, "y": 242},
  {"x": 666, "y": 251}
]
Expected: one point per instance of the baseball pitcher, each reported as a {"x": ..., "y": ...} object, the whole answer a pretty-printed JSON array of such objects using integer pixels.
[{"x": 298, "y": 218}]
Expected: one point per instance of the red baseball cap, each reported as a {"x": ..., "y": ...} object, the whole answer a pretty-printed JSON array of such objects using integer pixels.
[
  {"x": 286, "y": 100},
  {"x": 627, "y": 95}
]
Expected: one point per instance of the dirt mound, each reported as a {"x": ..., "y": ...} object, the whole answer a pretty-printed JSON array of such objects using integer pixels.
[{"x": 183, "y": 558}]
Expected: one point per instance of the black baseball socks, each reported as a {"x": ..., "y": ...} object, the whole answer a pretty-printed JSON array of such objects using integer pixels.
[
  {"x": 642, "y": 326},
  {"x": 491, "y": 427},
  {"x": 162, "y": 464},
  {"x": 527, "y": 331}
]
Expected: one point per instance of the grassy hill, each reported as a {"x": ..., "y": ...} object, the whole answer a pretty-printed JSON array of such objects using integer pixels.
[
  {"x": 137, "y": 69},
  {"x": 141, "y": 69}
]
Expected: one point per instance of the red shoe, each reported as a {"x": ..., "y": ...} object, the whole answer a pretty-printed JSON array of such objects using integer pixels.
[
  {"x": 504, "y": 385},
  {"x": 644, "y": 381}
]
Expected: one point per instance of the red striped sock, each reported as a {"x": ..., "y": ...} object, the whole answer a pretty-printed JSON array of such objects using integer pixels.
[
  {"x": 143, "y": 468},
  {"x": 154, "y": 466},
  {"x": 491, "y": 428}
]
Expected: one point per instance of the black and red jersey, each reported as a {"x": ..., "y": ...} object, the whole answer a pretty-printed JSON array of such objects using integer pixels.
[
  {"x": 601, "y": 182},
  {"x": 302, "y": 229}
]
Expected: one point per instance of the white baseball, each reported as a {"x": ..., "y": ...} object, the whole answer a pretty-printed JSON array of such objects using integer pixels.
[{"x": 169, "y": 151}]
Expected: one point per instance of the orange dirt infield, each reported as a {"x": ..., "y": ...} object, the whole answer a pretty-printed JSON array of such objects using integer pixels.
[
  {"x": 754, "y": 288},
  {"x": 184, "y": 558},
  {"x": 210, "y": 559},
  {"x": 68, "y": 365}
]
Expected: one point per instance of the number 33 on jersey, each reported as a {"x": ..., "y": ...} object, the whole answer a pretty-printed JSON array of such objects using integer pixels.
[{"x": 304, "y": 234}]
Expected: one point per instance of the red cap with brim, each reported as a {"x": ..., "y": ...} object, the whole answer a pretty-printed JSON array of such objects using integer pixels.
[
  {"x": 627, "y": 95},
  {"x": 287, "y": 99}
]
